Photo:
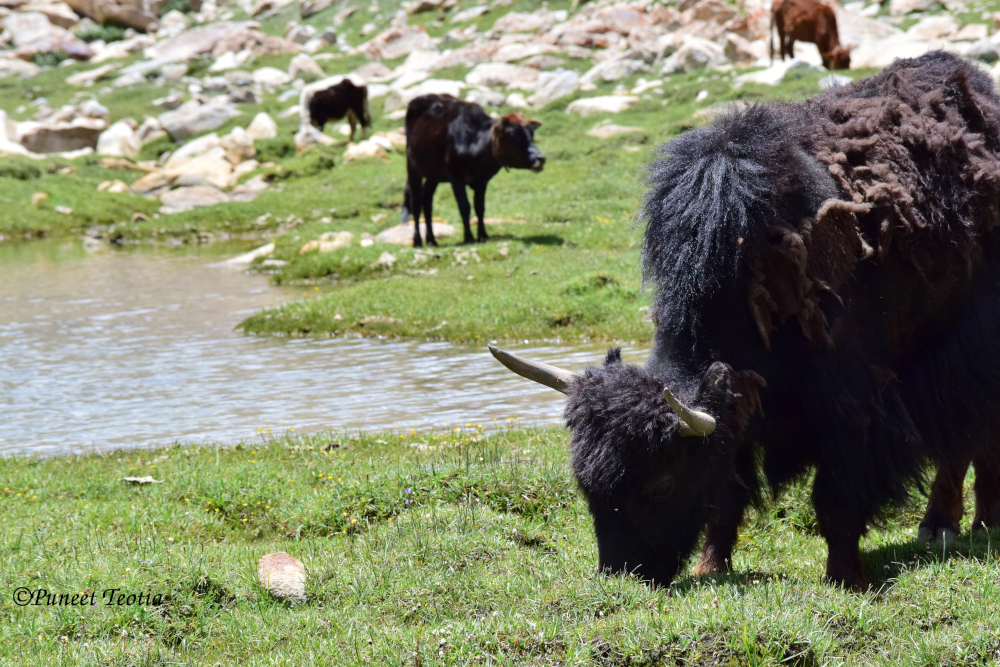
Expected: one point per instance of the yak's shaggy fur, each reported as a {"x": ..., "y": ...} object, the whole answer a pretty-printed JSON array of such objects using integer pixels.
[{"x": 828, "y": 288}]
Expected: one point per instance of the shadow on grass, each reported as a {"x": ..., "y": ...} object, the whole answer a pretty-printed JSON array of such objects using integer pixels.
[{"x": 884, "y": 565}]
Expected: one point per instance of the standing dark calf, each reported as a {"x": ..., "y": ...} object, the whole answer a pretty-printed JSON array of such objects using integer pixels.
[
  {"x": 454, "y": 141},
  {"x": 342, "y": 99}
]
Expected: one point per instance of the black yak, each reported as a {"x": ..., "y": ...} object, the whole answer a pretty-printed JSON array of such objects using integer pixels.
[
  {"x": 340, "y": 100},
  {"x": 454, "y": 141},
  {"x": 827, "y": 282}
]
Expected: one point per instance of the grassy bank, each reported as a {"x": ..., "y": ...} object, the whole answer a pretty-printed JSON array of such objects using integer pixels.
[{"x": 448, "y": 548}]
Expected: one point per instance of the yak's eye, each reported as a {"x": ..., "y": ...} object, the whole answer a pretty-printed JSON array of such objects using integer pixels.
[{"x": 661, "y": 490}]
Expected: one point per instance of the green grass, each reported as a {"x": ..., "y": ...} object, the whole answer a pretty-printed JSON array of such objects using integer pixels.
[{"x": 492, "y": 563}]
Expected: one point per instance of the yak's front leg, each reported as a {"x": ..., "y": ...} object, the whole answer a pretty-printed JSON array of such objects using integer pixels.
[
  {"x": 987, "y": 489},
  {"x": 842, "y": 528},
  {"x": 943, "y": 517},
  {"x": 722, "y": 530},
  {"x": 479, "y": 201},
  {"x": 462, "y": 199}
]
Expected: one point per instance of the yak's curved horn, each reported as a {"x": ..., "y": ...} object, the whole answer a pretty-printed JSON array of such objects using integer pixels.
[
  {"x": 550, "y": 376},
  {"x": 693, "y": 422}
]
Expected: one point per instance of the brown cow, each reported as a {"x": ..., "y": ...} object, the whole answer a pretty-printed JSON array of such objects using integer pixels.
[
  {"x": 808, "y": 21},
  {"x": 448, "y": 140}
]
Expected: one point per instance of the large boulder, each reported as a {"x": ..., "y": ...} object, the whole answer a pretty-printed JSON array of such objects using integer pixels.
[
  {"x": 934, "y": 27},
  {"x": 283, "y": 576},
  {"x": 191, "y": 119},
  {"x": 121, "y": 14},
  {"x": 61, "y": 137},
  {"x": 262, "y": 127},
  {"x": 694, "y": 53},
  {"x": 553, "y": 85},
  {"x": 188, "y": 198}
]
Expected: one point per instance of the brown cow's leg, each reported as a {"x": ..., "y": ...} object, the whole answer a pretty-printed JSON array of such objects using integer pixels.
[
  {"x": 987, "y": 492},
  {"x": 429, "y": 188},
  {"x": 942, "y": 519},
  {"x": 479, "y": 201},
  {"x": 842, "y": 531},
  {"x": 462, "y": 199}
]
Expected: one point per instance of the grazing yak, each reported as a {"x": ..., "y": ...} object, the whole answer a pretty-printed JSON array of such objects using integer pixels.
[
  {"x": 827, "y": 280},
  {"x": 808, "y": 21},
  {"x": 337, "y": 101},
  {"x": 457, "y": 142}
]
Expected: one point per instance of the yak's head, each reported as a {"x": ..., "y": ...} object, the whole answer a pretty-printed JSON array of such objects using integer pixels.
[
  {"x": 651, "y": 457},
  {"x": 514, "y": 143},
  {"x": 837, "y": 58}
]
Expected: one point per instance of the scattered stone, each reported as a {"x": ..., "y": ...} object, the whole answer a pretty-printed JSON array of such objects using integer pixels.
[
  {"x": 271, "y": 77},
  {"x": 191, "y": 197},
  {"x": 517, "y": 100},
  {"x": 61, "y": 137},
  {"x": 230, "y": 61},
  {"x": 396, "y": 43},
  {"x": 933, "y": 27},
  {"x": 470, "y": 14},
  {"x": 38, "y": 198},
  {"x": 328, "y": 242},
  {"x": 191, "y": 118},
  {"x": 303, "y": 64},
  {"x": 262, "y": 127},
  {"x": 983, "y": 50},
  {"x": 606, "y": 130},
  {"x": 614, "y": 70},
  {"x": 402, "y": 234},
  {"x": 492, "y": 75},
  {"x": 300, "y": 34},
  {"x": 141, "y": 480},
  {"x": 65, "y": 210},
  {"x": 774, "y": 74},
  {"x": 311, "y": 7},
  {"x": 604, "y": 104},
  {"x": 834, "y": 80},
  {"x": 901, "y": 7},
  {"x": 119, "y": 140},
  {"x": 115, "y": 187},
  {"x": 542, "y": 62},
  {"x": 90, "y": 77},
  {"x": 283, "y": 576},
  {"x": 485, "y": 98},
  {"x": 694, "y": 53},
  {"x": 20, "y": 68},
  {"x": 972, "y": 32},
  {"x": 551, "y": 86},
  {"x": 363, "y": 150}
]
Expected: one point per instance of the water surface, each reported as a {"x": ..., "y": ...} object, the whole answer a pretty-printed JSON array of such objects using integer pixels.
[{"x": 110, "y": 350}]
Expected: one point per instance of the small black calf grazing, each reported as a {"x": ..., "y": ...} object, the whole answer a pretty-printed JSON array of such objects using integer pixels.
[
  {"x": 337, "y": 101},
  {"x": 457, "y": 142},
  {"x": 827, "y": 282}
]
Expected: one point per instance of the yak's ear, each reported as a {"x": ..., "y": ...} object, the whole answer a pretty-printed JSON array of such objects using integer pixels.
[
  {"x": 735, "y": 394},
  {"x": 534, "y": 124}
]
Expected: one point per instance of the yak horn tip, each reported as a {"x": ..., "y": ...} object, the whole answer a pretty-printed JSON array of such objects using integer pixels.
[
  {"x": 693, "y": 422},
  {"x": 550, "y": 376}
]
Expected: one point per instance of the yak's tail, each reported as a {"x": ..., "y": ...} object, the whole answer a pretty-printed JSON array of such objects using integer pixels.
[{"x": 709, "y": 206}]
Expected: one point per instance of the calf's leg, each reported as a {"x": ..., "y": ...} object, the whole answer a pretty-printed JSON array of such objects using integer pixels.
[
  {"x": 987, "y": 492},
  {"x": 462, "y": 199},
  {"x": 942, "y": 519},
  {"x": 429, "y": 188},
  {"x": 414, "y": 200},
  {"x": 479, "y": 201}
]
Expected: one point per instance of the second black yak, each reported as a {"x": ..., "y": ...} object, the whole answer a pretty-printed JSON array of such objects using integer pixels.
[{"x": 827, "y": 280}]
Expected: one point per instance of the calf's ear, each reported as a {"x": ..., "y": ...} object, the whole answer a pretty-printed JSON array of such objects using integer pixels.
[{"x": 534, "y": 124}]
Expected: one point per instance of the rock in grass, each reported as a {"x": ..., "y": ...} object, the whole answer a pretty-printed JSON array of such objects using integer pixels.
[
  {"x": 283, "y": 576},
  {"x": 141, "y": 480}
]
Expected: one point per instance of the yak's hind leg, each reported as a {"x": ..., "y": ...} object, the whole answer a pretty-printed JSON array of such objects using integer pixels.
[
  {"x": 429, "y": 188},
  {"x": 987, "y": 492},
  {"x": 942, "y": 520}
]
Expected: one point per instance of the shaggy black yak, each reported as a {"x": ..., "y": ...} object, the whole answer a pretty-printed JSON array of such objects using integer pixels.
[
  {"x": 448, "y": 140},
  {"x": 338, "y": 101},
  {"x": 827, "y": 280}
]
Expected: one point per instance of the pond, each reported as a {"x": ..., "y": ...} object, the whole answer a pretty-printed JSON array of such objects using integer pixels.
[{"x": 123, "y": 349}]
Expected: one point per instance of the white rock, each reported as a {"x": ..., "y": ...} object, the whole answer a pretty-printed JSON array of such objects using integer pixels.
[
  {"x": 403, "y": 234},
  {"x": 303, "y": 64},
  {"x": 604, "y": 104},
  {"x": 238, "y": 145},
  {"x": 517, "y": 100},
  {"x": 972, "y": 32},
  {"x": 61, "y": 137},
  {"x": 212, "y": 168},
  {"x": 613, "y": 70},
  {"x": 396, "y": 43},
  {"x": 363, "y": 150},
  {"x": 605, "y": 130},
  {"x": 834, "y": 81},
  {"x": 188, "y": 198},
  {"x": 171, "y": 24},
  {"x": 119, "y": 140},
  {"x": 308, "y": 136},
  {"x": 262, "y": 127},
  {"x": 774, "y": 74},
  {"x": 271, "y": 77},
  {"x": 26, "y": 27},
  {"x": 328, "y": 242},
  {"x": 553, "y": 85},
  {"x": 15, "y": 67},
  {"x": 933, "y": 27},
  {"x": 129, "y": 79},
  {"x": 470, "y": 14},
  {"x": 694, "y": 53},
  {"x": 89, "y": 77},
  {"x": 485, "y": 98},
  {"x": 191, "y": 119},
  {"x": 492, "y": 75},
  {"x": 300, "y": 34},
  {"x": 900, "y": 7},
  {"x": 230, "y": 60},
  {"x": 247, "y": 258}
]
